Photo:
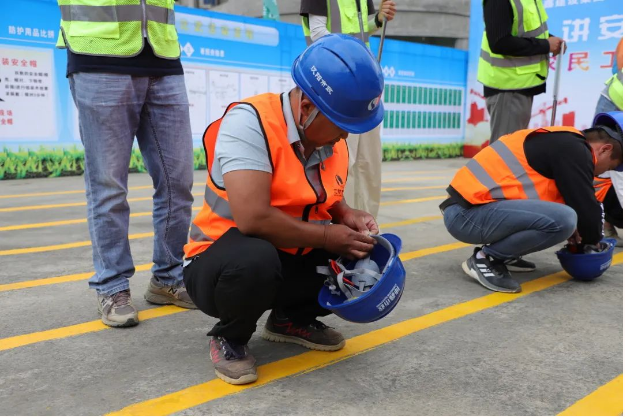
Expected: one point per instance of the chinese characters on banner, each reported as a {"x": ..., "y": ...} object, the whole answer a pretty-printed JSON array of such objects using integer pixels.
[
  {"x": 26, "y": 102},
  {"x": 592, "y": 29}
]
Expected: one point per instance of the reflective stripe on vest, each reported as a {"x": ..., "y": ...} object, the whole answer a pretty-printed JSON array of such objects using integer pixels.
[
  {"x": 501, "y": 172},
  {"x": 347, "y": 23},
  {"x": 615, "y": 89},
  {"x": 107, "y": 28},
  {"x": 602, "y": 186},
  {"x": 290, "y": 190},
  {"x": 516, "y": 73}
]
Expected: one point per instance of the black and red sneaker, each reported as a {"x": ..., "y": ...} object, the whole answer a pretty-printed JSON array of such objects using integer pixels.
[{"x": 315, "y": 335}]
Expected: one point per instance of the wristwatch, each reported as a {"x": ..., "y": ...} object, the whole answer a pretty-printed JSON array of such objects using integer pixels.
[{"x": 377, "y": 21}]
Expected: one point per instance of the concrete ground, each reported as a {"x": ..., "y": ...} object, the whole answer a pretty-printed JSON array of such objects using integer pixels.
[{"x": 451, "y": 347}]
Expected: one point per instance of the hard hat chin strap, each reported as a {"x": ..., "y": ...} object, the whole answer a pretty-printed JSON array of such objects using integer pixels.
[{"x": 301, "y": 128}]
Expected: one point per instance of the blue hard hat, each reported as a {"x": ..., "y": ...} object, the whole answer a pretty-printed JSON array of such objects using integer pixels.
[
  {"x": 587, "y": 266},
  {"x": 341, "y": 77},
  {"x": 356, "y": 303},
  {"x": 612, "y": 123}
]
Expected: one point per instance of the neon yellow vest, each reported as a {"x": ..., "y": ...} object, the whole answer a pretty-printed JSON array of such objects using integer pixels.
[
  {"x": 345, "y": 19},
  {"x": 615, "y": 89},
  {"x": 118, "y": 27},
  {"x": 516, "y": 73}
]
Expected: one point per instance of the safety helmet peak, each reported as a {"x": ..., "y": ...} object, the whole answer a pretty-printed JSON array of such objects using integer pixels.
[{"x": 340, "y": 76}]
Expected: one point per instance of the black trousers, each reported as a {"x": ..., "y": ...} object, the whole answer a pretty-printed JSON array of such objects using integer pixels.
[
  {"x": 613, "y": 209},
  {"x": 239, "y": 277}
]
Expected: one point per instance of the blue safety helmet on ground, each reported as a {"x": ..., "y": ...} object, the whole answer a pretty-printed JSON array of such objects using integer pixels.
[
  {"x": 612, "y": 124},
  {"x": 368, "y": 289},
  {"x": 344, "y": 81},
  {"x": 587, "y": 266}
]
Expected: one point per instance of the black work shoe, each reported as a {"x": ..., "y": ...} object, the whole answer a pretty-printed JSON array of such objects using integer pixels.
[
  {"x": 233, "y": 363},
  {"x": 491, "y": 273},
  {"x": 315, "y": 335},
  {"x": 520, "y": 265}
]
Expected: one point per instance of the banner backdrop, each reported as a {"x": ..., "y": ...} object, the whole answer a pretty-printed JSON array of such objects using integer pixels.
[
  {"x": 226, "y": 58},
  {"x": 592, "y": 30}
]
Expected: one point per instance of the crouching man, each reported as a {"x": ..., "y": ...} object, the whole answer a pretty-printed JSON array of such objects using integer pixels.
[
  {"x": 529, "y": 191},
  {"x": 273, "y": 206}
]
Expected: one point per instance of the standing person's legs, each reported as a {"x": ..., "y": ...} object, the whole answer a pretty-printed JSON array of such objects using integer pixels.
[
  {"x": 109, "y": 106},
  {"x": 364, "y": 180},
  {"x": 165, "y": 141},
  {"x": 509, "y": 112},
  {"x": 605, "y": 105},
  {"x": 508, "y": 229}
]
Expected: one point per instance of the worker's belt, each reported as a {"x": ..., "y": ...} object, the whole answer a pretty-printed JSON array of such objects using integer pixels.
[{"x": 446, "y": 203}]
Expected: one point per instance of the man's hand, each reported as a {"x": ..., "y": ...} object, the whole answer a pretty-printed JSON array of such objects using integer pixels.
[
  {"x": 555, "y": 44},
  {"x": 360, "y": 221},
  {"x": 342, "y": 240},
  {"x": 575, "y": 238},
  {"x": 387, "y": 10}
]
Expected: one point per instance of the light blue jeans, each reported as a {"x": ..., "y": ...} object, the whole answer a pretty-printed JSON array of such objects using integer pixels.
[
  {"x": 605, "y": 105},
  {"x": 511, "y": 228},
  {"x": 113, "y": 109}
]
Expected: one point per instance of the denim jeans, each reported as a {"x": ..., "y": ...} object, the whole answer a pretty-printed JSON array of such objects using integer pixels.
[
  {"x": 112, "y": 110},
  {"x": 605, "y": 105},
  {"x": 511, "y": 228}
]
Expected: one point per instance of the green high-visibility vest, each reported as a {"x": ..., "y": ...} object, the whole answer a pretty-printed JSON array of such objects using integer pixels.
[
  {"x": 343, "y": 18},
  {"x": 505, "y": 72},
  {"x": 615, "y": 89},
  {"x": 118, "y": 27}
]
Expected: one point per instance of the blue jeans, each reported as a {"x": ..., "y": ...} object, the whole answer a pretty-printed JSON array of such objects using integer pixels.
[
  {"x": 605, "y": 105},
  {"x": 113, "y": 109},
  {"x": 511, "y": 228}
]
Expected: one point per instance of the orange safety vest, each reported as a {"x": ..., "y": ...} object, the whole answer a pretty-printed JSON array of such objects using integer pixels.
[
  {"x": 290, "y": 190},
  {"x": 501, "y": 172},
  {"x": 602, "y": 186}
]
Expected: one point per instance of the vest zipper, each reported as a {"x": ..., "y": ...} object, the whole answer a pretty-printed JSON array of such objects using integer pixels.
[
  {"x": 306, "y": 213},
  {"x": 144, "y": 20}
]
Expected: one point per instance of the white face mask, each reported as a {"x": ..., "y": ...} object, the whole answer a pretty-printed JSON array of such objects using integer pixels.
[{"x": 301, "y": 128}]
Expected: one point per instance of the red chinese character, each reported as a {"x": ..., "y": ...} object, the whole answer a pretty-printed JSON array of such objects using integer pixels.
[
  {"x": 578, "y": 60},
  {"x": 3, "y": 122},
  {"x": 10, "y": 121},
  {"x": 1, "y": 112},
  {"x": 5, "y": 61},
  {"x": 9, "y": 112},
  {"x": 33, "y": 63},
  {"x": 611, "y": 53},
  {"x": 552, "y": 62},
  {"x": 15, "y": 62},
  {"x": 24, "y": 63}
]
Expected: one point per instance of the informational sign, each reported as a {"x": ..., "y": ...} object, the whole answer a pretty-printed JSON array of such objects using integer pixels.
[
  {"x": 591, "y": 29},
  {"x": 226, "y": 58}
]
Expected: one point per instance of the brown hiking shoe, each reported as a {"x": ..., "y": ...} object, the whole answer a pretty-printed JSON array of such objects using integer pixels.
[
  {"x": 162, "y": 294},
  {"x": 315, "y": 335},
  {"x": 117, "y": 309},
  {"x": 233, "y": 363}
]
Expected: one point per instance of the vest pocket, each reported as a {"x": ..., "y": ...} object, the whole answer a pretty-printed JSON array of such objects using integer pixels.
[{"x": 528, "y": 69}]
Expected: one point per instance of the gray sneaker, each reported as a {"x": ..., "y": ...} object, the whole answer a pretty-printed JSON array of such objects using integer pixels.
[
  {"x": 117, "y": 310},
  {"x": 491, "y": 273},
  {"x": 233, "y": 363},
  {"x": 315, "y": 335},
  {"x": 162, "y": 294}
]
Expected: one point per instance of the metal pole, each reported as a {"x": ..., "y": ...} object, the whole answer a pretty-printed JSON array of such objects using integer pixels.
[
  {"x": 362, "y": 27},
  {"x": 556, "y": 86},
  {"x": 382, "y": 40}
]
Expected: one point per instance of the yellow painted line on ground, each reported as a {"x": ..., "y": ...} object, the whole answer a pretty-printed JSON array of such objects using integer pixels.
[
  {"x": 408, "y": 222},
  {"x": 412, "y": 179},
  {"x": 63, "y": 205},
  {"x": 59, "y": 280},
  {"x": 140, "y": 187},
  {"x": 430, "y": 187},
  {"x": 66, "y": 222},
  {"x": 36, "y": 249},
  {"x": 413, "y": 200},
  {"x": 605, "y": 401},
  {"x": 81, "y": 328},
  {"x": 145, "y": 267},
  {"x": 199, "y": 394},
  {"x": 96, "y": 325}
]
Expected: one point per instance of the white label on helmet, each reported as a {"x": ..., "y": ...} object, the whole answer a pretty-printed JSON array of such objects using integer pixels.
[
  {"x": 320, "y": 79},
  {"x": 389, "y": 298}
]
